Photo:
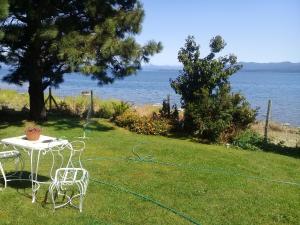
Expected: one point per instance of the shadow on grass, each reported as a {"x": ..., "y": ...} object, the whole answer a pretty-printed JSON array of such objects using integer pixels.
[
  {"x": 12, "y": 118},
  {"x": 56, "y": 121},
  {"x": 178, "y": 135},
  {"x": 280, "y": 149},
  {"x": 66, "y": 123},
  {"x": 260, "y": 144},
  {"x": 189, "y": 137},
  {"x": 20, "y": 180}
]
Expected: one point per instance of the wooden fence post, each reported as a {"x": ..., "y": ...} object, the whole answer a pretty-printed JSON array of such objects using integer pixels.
[
  {"x": 267, "y": 120},
  {"x": 51, "y": 99},
  {"x": 92, "y": 102}
]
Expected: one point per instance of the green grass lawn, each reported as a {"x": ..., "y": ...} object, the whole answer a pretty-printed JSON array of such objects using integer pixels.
[{"x": 209, "y": 183}]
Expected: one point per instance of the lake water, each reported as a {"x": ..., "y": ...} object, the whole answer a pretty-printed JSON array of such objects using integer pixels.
[{"x": 151, "y": 86}]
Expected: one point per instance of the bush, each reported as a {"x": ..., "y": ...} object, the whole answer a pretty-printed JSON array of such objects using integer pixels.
[
  {"x": 248, "y": 140},
  {"x": 142, "y": 124},
  {"x": 105, "y": 110},
  {"x": 218, "y": 118},
  {"x": 120, "y": 108},
  {"x": 127, "y": 119},
  {"x": 63, "y": 108},
  {"x": 211, "y": 111},
  {"x": 165, "y": 111},
  {"x": 170, "y": 114}
]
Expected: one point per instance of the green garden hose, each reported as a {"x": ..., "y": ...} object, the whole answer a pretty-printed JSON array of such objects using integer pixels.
[
  {"x": 147, "y": 159},
  {"x": 146, "y": 198},
  {"x": 150, "y": 159}
]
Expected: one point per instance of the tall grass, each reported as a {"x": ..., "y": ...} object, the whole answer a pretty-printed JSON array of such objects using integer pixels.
[
  {"x": 14, "y": 100},
  {"x": 75, "y": 105}
]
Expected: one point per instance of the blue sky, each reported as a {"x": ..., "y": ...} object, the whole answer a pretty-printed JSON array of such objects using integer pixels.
[{"x": 255, "y": 30}]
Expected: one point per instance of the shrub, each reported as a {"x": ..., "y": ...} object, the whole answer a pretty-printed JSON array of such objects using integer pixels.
[
  {"x": 142, "y": 124},
  {"x": 105, "y": 110},
  {"x": 120, "y": 108},
  {"x": 74, "y": 105},
  {"x": 211, "y": 111},
  {"x": 165, "y": 111},
  {"x": 160, "y": 126},
  {"x": 63, "y": 108},
  {"x": 127, "y": 119},
  {"x": 175, "y": 113},
  {"x": 218, "y": 118},
  {"x": 248, "y": 140},
  {"x": 170, "y": 114}
]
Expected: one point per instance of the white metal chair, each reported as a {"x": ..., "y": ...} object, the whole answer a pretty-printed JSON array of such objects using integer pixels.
[
  {"x": 7, "y": 155},
  {"x": 70, "y": 176},
  {"x": 65, "y": 177}
]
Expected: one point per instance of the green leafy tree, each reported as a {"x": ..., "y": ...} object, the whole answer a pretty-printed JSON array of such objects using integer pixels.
[
  {"x": 44, "y": 39},
  {"x": 212, "y": 111}
]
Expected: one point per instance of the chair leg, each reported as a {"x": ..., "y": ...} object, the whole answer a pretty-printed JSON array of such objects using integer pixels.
[
  {"x": 80, "y": 202},
  {"x": 3, "y": 174},
  {"x": 51, "y": 192}
]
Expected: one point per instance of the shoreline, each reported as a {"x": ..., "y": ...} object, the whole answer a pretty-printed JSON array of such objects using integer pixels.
[
  {"x": 279, "y": 133},
  {"x": 259, "y": 118}
]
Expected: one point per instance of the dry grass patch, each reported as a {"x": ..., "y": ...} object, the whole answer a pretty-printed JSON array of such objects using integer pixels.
[{"x": 278, "y": 133}]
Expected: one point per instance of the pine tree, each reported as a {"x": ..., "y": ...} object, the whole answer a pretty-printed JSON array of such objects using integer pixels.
[
  {"x": 44, "y": 39},
  {"x": 211, "y": 110}
]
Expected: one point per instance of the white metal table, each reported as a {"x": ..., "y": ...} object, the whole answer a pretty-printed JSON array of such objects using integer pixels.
[{"x": 34, "y": 149}]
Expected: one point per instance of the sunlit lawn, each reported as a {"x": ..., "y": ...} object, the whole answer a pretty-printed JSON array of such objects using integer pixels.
[{"x": 211, "y": 184}]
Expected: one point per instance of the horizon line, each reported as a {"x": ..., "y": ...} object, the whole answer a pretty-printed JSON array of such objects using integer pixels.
[{"x": 150, "y": 64}]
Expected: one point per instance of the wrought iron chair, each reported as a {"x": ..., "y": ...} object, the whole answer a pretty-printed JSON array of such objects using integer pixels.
[
  {"x": 8, "y": 155},
  {"x": 70, "y": 176},
  {"x": 65, "y": 177},
  {"x": 75, "y": 149}
]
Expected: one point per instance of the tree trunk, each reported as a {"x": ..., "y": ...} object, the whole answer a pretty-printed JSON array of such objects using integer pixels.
[{"x": 36, "y": 99}]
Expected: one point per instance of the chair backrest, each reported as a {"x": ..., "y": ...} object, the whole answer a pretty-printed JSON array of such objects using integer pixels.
[
  {"x": 71, "y": 152},
  {"x": 72, "y": 175},
  {"x": 76, "y": 148}
]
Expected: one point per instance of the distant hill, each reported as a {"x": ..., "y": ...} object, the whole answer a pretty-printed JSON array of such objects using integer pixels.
[
  {"x": 247, "y": 66},
  {"x": 151, "y": 67},
  {"x": 272, "y": 67}
]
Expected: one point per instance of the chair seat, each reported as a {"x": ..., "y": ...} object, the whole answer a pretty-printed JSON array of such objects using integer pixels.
[
  {"x": 62, "y": 183},
  {"x": 65, "y": 177},
  {"x": 9, "y": 154}
]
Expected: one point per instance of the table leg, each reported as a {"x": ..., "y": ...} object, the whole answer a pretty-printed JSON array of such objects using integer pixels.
[{"x": 34, "y": 164}]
